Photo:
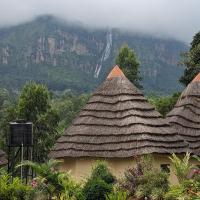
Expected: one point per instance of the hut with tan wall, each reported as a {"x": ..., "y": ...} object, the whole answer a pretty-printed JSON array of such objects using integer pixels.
[{"x": 116, "y": 124}]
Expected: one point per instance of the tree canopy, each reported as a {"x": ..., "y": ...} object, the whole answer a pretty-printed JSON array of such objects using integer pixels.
[
  {"x": 164, "y": 104},
  {"x": 34, "y": 105},
  {"x": 129, "y": 63},
  {"x": 191, "y": 60},
  {"x": 33, "y": 101}
]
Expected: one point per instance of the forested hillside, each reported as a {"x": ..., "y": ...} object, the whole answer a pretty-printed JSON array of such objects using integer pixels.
[{"x": 70, "y": 57}]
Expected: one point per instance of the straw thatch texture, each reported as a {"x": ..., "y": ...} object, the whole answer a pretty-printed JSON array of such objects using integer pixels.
[
  {"x": 3, "y": 160},
  {"x": 117, "y": 122},
  {"x": 185, "y": 117}
]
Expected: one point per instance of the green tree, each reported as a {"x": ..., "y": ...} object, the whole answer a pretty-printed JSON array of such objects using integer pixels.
[
  {"x": 7, "y": 113},
  {"x": 164, "y": 104},
  {"x": 129, "y": 64},
  {"x": 33, "y": 101},
  {"x": 34, "y": 105},
  {"x": 191, "y": 60},
  {"x": 68, "y": 105}
]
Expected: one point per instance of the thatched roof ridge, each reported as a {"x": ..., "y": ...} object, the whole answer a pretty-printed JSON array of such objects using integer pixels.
[
  {"x": 3, "y": 160},
  {"x": 117, "y": 121},
  {"x": 120, "y": 114},
  {"x": 115, "y": 130},
  {"x": 185, "y": 117},
  {"x": 192, "y": 111},
  {"x": 119, "y": 153},
  {"x": 116, "y": 138},
  {"x": 120, "y": 106}
]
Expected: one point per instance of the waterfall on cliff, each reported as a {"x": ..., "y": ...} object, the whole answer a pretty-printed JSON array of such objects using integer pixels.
[{"x": 105, "y": 54}]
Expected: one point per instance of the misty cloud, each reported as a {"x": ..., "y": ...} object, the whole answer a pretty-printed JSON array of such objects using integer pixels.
[{"x": 170, "y": 18}]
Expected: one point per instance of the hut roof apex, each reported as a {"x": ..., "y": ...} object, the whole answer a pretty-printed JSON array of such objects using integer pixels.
[
  {"x": 197, "y": 78},
  {"x": 115, "y": 72}
]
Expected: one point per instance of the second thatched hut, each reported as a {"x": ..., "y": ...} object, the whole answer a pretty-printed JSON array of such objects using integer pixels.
[{"x": 185, "y": 117}]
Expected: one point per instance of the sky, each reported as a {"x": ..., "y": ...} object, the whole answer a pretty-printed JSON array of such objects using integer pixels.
[{"x": 178, "y": 19}]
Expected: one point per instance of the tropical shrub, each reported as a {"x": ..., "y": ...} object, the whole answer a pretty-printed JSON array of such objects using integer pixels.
[
  {"x": 189, "y": 185},
  {"x": 131, "y": 179},
  {"x": 51, "y": 183},
  {"x": 187, "y": 190},
  {"x": 152, "y": 184},
  {"x": 181, "y": 167},
  {"x": 146, "y": 181},
  {"x": 13, "y": 189},
  {"x": 101, "y": 171},
  {"x": 96, "y": 189},
  {"x": 99, "y": 184},
  {"x": 117, "y": 193}
]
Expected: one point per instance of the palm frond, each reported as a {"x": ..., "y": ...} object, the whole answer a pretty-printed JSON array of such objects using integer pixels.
[{"x": 181, "y": 167}]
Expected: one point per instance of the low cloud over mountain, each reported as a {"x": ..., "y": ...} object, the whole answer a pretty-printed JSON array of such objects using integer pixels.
[{"x": 169, "y": 18}]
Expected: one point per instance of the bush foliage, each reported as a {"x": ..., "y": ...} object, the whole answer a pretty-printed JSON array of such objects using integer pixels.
[
  {"x": 99, "y": 184},
  {"x": 144, "y": 180},
  {"x": 13, "y": 189}
]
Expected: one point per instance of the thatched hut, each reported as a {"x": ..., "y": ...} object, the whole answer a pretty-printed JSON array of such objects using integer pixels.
[
  {"x": 116, "y": 124},
  {"x": 3, "y": 160},
  {"x": 185, "y": 117}
]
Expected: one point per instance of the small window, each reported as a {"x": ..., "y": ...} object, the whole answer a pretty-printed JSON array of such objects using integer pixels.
[{"x": 165, "y": 168}]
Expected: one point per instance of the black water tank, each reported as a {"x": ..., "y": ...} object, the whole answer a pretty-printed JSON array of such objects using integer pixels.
[{"x": 21, "y": 132}]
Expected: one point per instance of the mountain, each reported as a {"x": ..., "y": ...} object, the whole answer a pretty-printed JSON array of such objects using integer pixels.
[{"x": 66, "y": 56}]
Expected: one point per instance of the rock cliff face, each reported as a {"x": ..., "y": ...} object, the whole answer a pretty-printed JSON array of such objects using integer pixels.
[{"x": 66, "y": 56}]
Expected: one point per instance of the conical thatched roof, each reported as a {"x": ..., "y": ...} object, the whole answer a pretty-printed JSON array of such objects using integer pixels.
[
  {"x": 185, "y": 117},
  {"x": 117, "y": 122},
  {"x": 3, "y": 160}
]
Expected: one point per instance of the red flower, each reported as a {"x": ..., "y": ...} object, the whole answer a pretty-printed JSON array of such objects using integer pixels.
[{"x": 34, "y": 183}]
